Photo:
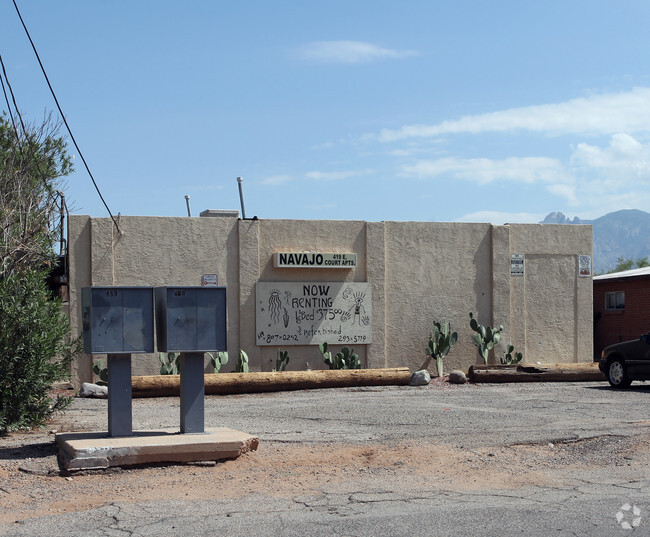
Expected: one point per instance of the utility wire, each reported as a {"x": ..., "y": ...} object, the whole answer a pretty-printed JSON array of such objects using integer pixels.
[
  {"x": 13, "y": 98},
  {"x": 64, "y": 119}
]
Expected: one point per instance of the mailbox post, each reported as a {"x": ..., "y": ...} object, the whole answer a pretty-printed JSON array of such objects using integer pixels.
[
  {"x": 191, "y": 321},
  {"x": 118, "y": 321}
]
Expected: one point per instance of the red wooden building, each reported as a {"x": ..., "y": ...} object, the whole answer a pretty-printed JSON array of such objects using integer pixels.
[{"x": 621, "y": 307}]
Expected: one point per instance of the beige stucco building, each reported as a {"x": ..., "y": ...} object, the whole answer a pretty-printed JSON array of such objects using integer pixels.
[{"x": 416, "y": 273}]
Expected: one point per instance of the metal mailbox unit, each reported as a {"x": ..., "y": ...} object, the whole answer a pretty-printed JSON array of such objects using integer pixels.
[
  {"x": 192, "y": 321},
  {"x": 118, "y": 321}
]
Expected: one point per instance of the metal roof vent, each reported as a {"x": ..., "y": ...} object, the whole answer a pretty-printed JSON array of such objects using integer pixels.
[{"x": 220, "y": 212}]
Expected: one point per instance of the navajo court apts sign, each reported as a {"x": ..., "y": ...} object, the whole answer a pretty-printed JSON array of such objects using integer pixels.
[
  {"x": 309, "y": 313},
  {"x": 314, "y": 260}
]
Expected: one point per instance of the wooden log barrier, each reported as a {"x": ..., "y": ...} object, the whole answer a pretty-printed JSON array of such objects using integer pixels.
[
  {"x": 577, "y": 372},
  {"x": 256, "y": 382}
]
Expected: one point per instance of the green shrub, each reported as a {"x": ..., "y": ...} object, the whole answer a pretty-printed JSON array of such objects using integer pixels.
[{"x": 35, "y": 350}]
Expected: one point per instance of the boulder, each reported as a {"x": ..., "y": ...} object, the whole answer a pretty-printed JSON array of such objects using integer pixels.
[
  {"x": 457, "y": 377},
  {"x": 93, "y": 390},
  {"x": 420, "y": 378}
]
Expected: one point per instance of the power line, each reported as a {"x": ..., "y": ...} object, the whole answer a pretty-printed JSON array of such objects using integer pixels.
[
  {"x": 13, "y": 98},
  {"x": 64, "y": 119}
]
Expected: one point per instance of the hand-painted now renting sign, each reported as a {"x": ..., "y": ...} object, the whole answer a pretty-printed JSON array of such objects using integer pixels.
[
  {"x": 314, "y": 260},
  {"x": 309, "y": 313}
]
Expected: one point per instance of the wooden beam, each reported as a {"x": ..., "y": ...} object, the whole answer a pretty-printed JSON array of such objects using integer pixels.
[
  {"x": 579, "y": 372},
  {"x": 256, "y": 382}
]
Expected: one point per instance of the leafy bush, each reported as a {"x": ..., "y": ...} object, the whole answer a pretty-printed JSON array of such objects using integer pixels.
[{"x": 34, "y": 350}]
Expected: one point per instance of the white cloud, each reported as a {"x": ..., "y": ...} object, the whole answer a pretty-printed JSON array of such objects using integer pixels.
[
  {"x": 499, "y": 218},
  {"x": 335, "y": 176},
  {"x": 625, "y": 156},
  {"x": 483, "y": 170},
  {"x": 596, "y": 114},
  {"x": 276, "y": 180},
  {"x": 350, "y": 52}
]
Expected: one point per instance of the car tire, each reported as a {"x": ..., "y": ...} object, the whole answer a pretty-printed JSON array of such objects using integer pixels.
[{"x": 617, "y": 374}]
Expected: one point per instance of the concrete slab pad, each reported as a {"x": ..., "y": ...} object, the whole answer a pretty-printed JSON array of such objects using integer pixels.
[{"x": 96, "y": 450}]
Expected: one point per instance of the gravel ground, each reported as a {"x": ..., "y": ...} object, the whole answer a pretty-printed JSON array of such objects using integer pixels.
[{"x": 461, "y": 438}]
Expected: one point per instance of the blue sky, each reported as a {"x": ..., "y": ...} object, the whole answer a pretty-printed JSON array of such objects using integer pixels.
[{"x": 497, "y": 111}]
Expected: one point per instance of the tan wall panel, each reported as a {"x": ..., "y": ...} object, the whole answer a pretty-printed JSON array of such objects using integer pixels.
[{"x": 419, "y": 272}]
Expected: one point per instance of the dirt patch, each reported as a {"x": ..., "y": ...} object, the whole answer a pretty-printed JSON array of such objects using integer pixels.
[{"x": 31, "y": 486}]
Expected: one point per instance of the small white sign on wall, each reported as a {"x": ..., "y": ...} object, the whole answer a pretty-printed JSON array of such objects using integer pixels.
[
  {"x": 309, "y": 313},
  {"x": 584, "y": 266},
  {"x": 517, "y": 265},
  {"x": 209, "y": 279}
]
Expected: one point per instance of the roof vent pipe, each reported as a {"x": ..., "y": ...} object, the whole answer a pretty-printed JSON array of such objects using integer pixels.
[
  {"x": 240, "y": 180},
  {"x": 187, "y": 201}
]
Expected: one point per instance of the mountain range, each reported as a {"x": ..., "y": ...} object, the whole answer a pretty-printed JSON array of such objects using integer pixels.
[{"x": 623, "y": 233}]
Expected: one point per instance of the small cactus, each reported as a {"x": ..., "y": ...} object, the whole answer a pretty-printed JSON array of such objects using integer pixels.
[
  {"x": 327, "y": 356},
  {"x": 347, "y": 359},
  {"x": 511, "y": 357},
  {"x": 282, "y": 360},
  {"x": 485, "y": 338},
  {"x": 218, "y": 359},
  {"x": 101, "y": 372},
  {"x": 441, "y": 340},
  {"x": 242, "y": 363},
  {"x": 169, "y": 363}
]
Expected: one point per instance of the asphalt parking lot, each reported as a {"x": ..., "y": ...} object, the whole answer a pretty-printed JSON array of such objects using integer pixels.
[{"x": 500, "y": 459}]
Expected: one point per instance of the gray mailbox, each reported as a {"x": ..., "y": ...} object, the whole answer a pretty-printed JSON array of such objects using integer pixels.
[
  {"x": 117, "y": 320},
  {"x": 191, "y": 319}
]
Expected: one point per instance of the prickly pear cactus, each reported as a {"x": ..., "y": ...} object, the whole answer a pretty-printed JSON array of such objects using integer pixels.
[
  {"x": 169, "y": 363},
  {"x": 281, "y": 361},
  {"x": 218, "y": 359},
  {"x": 101, "y": 372},
  {"x": 511, "y": 357},
  {"x": 327, "y": 356},
  {"x": 242, "y": 363},
  {"x": 347, "y": 359},
  {"x": 485, "y": 337},
  {"x": 441, "y": 340}
]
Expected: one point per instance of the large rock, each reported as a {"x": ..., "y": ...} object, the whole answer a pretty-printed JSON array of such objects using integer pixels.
[
  {"x": 420, "y": 378},
  {"x": 93, "y": 390},
  {"x": 457, "y": 377}
]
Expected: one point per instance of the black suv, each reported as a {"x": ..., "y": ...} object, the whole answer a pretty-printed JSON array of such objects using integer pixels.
[{"x": 626, "y": 361}]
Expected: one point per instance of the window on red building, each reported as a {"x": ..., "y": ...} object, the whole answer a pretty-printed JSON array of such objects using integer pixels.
[{"x": 615, "y": 300}]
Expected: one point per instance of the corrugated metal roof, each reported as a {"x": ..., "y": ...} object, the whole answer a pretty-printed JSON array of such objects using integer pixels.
[{"x": 645, "y": 271}]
